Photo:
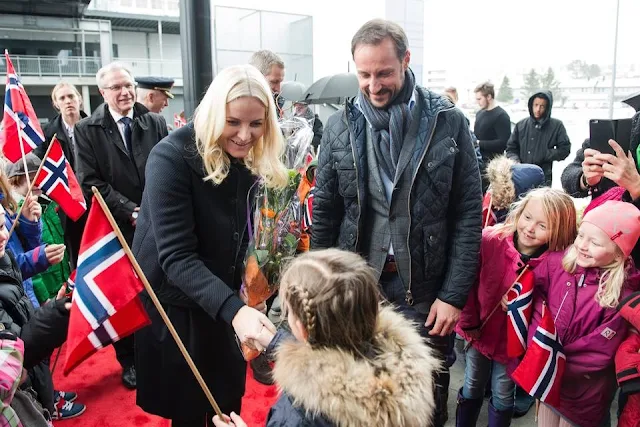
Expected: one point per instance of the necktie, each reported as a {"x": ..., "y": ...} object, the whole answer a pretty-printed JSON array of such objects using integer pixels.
[{"x": 127, "y": 135}]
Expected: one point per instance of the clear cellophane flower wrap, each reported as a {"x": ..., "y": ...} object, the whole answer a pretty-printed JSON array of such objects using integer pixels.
[{"x": 276, "y": 225}]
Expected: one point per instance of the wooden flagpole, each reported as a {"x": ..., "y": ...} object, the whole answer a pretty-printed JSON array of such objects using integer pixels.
[
  {"x": 31, "y": 184},
  {"x": 156, "y": 302},
  {"x": 486, "y": 220},
  {"x": 526, "y": 267}
]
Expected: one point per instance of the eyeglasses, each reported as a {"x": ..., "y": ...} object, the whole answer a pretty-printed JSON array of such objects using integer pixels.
[{"x": 118, "y": 88}]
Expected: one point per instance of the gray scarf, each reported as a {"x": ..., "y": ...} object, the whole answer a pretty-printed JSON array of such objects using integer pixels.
[{"x": 390, "y": 125}]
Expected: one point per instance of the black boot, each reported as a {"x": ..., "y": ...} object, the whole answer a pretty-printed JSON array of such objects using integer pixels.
[
  {"x": 262, "y": 370},
  {"x": 499, "y": 418},
  {"x": 467, "y": 411},
  {"x": 441, "y": 415}
]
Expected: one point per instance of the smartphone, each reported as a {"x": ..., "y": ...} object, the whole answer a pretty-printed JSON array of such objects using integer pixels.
[{"x": 601, "y": 131}]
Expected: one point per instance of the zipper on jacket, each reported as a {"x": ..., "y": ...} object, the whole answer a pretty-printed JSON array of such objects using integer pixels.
[
  {"x": 409, "y": 295},
  {"x": 355, "y": 167}
]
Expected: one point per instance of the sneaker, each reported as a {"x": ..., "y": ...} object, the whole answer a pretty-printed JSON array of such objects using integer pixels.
[
  {"x": 69, "y": 396},
  {"x": 65, "y": 410}
]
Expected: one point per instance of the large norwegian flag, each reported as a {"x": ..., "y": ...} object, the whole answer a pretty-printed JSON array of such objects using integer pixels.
[
  {"x": 19, "y": 124},
  {"x": 105, "y": 304},
  {"x": 57, "y": 180},
  {"x": 519, "y": 310},
  {"x": 541, "y": 370}
]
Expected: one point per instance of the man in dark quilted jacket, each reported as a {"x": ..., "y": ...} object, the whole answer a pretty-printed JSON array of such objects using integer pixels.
[{"x": 398, "y": 182}]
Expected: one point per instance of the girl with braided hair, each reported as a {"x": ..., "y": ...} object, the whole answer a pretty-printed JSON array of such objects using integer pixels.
[{"x": 351, "y": 361}]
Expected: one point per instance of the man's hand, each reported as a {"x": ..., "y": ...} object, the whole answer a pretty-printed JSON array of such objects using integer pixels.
[
  {"x": 443, "y": 317},
  {"x": 592, "y": 167},
  {"x": 621, "y": 169}
]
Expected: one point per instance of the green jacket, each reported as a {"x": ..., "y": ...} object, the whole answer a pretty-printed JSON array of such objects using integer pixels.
[{"x": 47, "y": 284}]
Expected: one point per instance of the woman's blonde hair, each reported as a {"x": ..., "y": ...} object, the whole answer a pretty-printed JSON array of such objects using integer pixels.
[
  {"x": 558, "y": 208},
  {"x": 611, "y": 281},
  {"x": 264, "y": 158},
  {"x": 335, "y": 295}
]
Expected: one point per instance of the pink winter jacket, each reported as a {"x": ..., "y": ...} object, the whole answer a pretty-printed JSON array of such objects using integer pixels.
[
  {"x": 499, "y": 263},
  {"x": 590, "y": 336}
]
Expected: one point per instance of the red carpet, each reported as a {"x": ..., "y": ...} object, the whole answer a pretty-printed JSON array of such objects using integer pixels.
[{"x": 109, "y": 404}]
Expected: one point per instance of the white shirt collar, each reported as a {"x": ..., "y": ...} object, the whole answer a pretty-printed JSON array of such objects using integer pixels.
[
  {"x": 68, "y": 128},
  {"x": 117, "y": 116}
]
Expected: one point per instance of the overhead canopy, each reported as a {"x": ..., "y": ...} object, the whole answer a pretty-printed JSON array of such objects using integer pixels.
[{"x": 60, "y": 8}]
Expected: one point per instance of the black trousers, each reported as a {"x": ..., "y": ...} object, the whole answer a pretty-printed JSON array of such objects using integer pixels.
[
  {"x": 394, "y": 291},
  {"x": 125, "y": 351},
  {"x": 205, "y": 420}
]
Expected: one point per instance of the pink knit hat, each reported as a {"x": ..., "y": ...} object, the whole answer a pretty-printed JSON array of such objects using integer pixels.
[{"x": 621, "y": 222}]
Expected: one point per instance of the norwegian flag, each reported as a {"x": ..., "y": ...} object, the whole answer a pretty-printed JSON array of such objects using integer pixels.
[
  {"x": 541, "y": 370},
  {"x": 19, "y": 124},
  {"x": 178, "y": 121},
  {"x": 57, "y": 180},
  {"x": 105, "y": 306},
  {"x": 519, "y": 309},
  {"x": 71, "y": 284}
]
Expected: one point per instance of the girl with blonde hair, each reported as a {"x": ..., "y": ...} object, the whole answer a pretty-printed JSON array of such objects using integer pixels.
[
  {"x": 190, "y": 241},
  {"x": 350, "y": 362},
  {"x": 581, "y": 288},
  {"x": 543, "y": 220}
]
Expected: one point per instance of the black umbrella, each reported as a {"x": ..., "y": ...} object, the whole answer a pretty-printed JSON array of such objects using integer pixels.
[
  {"x": 293, "y": 91},
  {"x": 633, "y": 101},
  {"x": 332, "y": 89}
]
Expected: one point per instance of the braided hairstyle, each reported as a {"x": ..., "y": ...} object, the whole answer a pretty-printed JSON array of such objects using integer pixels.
[{"x": 335, "y": 296}]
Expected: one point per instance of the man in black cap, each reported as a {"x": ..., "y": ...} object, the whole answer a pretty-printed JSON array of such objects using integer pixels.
[{"x": 154, "y": 92}]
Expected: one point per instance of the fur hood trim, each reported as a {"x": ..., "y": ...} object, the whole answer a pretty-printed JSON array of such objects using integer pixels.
[
  {"x": 503, "y": 191},
  {"x": 395, "y": 388}
]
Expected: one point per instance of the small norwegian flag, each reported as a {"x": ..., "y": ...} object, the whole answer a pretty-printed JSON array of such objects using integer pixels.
[
  {"x": 519, "y": 310},
  {"x": 105, "y": 306},
  {"x": 57, "y": 180},
  {"x": 20, "y": 125},
  {"x": 541, "y": 370}
]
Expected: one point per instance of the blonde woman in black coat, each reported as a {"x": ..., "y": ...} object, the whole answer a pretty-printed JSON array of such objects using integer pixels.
[{"x": 191, "y": 239}]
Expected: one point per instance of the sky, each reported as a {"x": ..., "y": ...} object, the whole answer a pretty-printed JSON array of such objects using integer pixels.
[
  {"x": 478, "y": 38},
  {"x": 528, "y": 33}
]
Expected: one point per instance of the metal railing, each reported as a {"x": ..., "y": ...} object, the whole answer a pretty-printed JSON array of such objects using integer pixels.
[
  {"x": 44, "y": 66},
  {"x": 144, "y": 7},
  {"x": 153, "y": 67},
  {"x": 79, "y": 66}
]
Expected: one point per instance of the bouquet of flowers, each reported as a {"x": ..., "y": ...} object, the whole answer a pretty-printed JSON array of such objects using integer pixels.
[{"x": 275, "y": 229}]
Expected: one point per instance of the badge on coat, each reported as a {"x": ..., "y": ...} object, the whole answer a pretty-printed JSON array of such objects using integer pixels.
[{"x": 608, "y": 333}]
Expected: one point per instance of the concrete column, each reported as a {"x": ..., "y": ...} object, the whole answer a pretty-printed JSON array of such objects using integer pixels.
[
  {"x": 106, "y": 43},
  {"x": 86, "y": 100},
  {"x": 196, "y": 46}
]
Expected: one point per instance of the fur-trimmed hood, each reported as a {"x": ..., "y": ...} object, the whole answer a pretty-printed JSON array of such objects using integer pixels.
[
  {"x": 509, "y": 180},
  {"x": 395, "y": 388}
]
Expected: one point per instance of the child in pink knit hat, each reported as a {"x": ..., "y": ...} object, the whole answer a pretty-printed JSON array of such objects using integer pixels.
[{"x": 582, "y": 287}]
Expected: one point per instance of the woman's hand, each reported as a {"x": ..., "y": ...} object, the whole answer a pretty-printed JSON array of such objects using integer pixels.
[
  {"x": 54, "y": 253},
  {"x": 234, "y": 421},
  {"x": 621, "y": 169},
  {"x": 32, "y": 209},
  {"x": 592, "y": 167},
  {"x": 261, "y": 340},
  {"x": 250, "y": 322}
]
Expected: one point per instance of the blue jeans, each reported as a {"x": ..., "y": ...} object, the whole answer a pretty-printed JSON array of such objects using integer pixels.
[{"x": 478, "y": 371}]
